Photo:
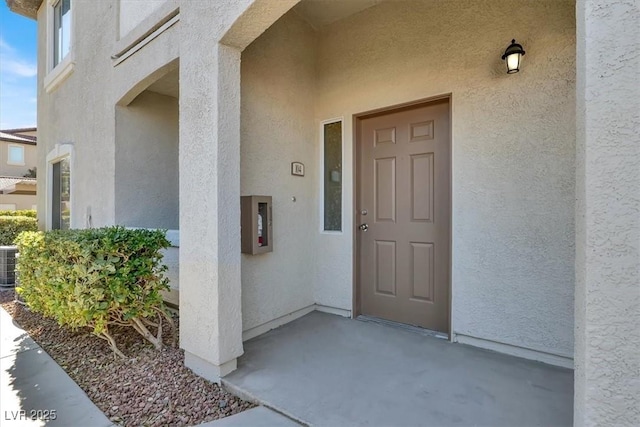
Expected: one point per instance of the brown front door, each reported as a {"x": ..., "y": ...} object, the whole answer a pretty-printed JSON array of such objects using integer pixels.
[{"x": 404, "y": 215}]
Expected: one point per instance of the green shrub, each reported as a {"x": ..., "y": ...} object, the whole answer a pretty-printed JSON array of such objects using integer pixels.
[
  {"x": 11, "y": 226},
  {"x": 96, "y": 278},
  {"x": 25, "y": 212}
]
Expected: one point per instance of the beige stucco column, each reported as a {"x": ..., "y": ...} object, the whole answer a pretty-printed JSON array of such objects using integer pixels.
[
  {"x": 210, "y": 304},
  {"x": 607, "y": 298}
]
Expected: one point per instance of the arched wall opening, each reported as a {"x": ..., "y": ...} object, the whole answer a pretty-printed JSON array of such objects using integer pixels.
[
  {"x": 147, "y": 193},
  {"x": 146, "y": 186}
]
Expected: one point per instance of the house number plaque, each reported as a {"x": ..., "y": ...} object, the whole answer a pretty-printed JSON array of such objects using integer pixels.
[{"x": 297, "y": 169}]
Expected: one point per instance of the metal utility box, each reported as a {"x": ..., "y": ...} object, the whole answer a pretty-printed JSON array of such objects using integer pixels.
[{"x": 257, "y": 224}]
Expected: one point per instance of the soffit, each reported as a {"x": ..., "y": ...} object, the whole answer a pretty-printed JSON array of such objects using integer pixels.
[
  {"x": 168, "y": 85},
  {"x": 324, "y": 12},
  {"x": 28, "y": 8}
]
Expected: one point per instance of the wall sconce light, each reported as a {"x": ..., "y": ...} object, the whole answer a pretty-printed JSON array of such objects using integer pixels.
[{"x": 513, "y": 56}]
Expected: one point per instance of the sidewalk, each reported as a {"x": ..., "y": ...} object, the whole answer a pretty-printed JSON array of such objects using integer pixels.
[{"x": 36, "y": 391}]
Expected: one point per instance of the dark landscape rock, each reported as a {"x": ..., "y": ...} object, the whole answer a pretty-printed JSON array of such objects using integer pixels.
[{"x": 150, "y": 387}]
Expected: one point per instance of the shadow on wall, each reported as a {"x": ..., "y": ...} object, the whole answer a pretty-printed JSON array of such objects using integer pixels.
[{"x": 146, "y": 162}]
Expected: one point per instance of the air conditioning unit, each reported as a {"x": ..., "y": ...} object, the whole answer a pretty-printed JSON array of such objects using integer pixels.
[{"x": 8, "y": 266}]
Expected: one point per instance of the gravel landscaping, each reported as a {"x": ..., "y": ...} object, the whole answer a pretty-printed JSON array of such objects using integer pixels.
[{"x": 150, "y": 387}]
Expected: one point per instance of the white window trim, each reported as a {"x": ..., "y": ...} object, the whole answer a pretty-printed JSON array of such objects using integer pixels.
[
  {"x": 321, "y": 178},
  {"x": 59, "y": 152},
  {"x": 56, "y": 75},
  {"x": 24, "y": 153}
]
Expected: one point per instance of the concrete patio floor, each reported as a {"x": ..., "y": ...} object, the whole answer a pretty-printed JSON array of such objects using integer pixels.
[{"x": 327, "y": 370}]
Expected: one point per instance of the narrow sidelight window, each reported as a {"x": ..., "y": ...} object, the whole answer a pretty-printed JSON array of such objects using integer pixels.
[
  {"x": 61, "y": 30},
  {"x": 61, "y": 197},
  {"x": 332, "y": 176}
]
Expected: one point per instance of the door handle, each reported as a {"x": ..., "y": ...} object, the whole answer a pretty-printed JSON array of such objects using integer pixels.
[{"x": 364, "y": 227}]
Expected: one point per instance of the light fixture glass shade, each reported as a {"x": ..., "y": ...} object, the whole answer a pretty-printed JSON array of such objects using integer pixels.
[
  {"x": 513, "y": 57},
  {"x": 513, "y": 63}
]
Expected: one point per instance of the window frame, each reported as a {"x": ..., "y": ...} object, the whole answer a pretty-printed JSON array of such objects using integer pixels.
[
  {"x": 59, "y": 72},
  {"x": 24, "y": 160},
  {"x": 59, "y": 153},
  {"x": 322, "y": 177},
  {"x": 65, "y": 30}
]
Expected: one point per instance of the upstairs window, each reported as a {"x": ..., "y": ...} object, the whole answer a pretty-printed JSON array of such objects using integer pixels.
[
  {"x": 16, "y": 155},
  {"x": 61, "y": 30},
  {"x": 60, "y": 60}
]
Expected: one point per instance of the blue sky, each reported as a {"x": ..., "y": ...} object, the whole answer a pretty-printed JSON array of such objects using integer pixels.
[{"x": 17, "y": 69}]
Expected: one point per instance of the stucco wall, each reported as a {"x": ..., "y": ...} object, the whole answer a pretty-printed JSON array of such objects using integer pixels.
[
  {"x": 513, "y": 151},
  {"x": 277, "y": 125},
  {"x": 607, "y": 370},
  {"x": 133, "y": 12},
  {"x": 80, "y": 113},
  {"x": 171, "y": 258},
  {"x": 146, "y": 164},
  {"x": 21, "y": 201},
  {"x": 64, "y": 115},
  {"x": 30, "y": 159}
]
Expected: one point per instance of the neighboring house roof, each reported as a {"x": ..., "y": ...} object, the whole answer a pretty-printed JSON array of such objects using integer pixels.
[
  {"x": 20, "y": 130},
  {"x": 14, "y": 136},
  {"x": 13, "y": 185}
]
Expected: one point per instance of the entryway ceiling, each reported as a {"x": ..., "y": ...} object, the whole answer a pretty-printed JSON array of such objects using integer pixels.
[
  {"x": 324, "y": 12},
  {"x": 167, "y": 85}
]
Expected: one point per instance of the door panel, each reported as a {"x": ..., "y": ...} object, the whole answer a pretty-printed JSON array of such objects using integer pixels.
[
  {"x": 422, "y": 271},
  {"x": 422, "y": 187},
  {"x": 385, "y": 190},
  {"x": 404, "y": 198},
  {"x": 385, "y": 263}
]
